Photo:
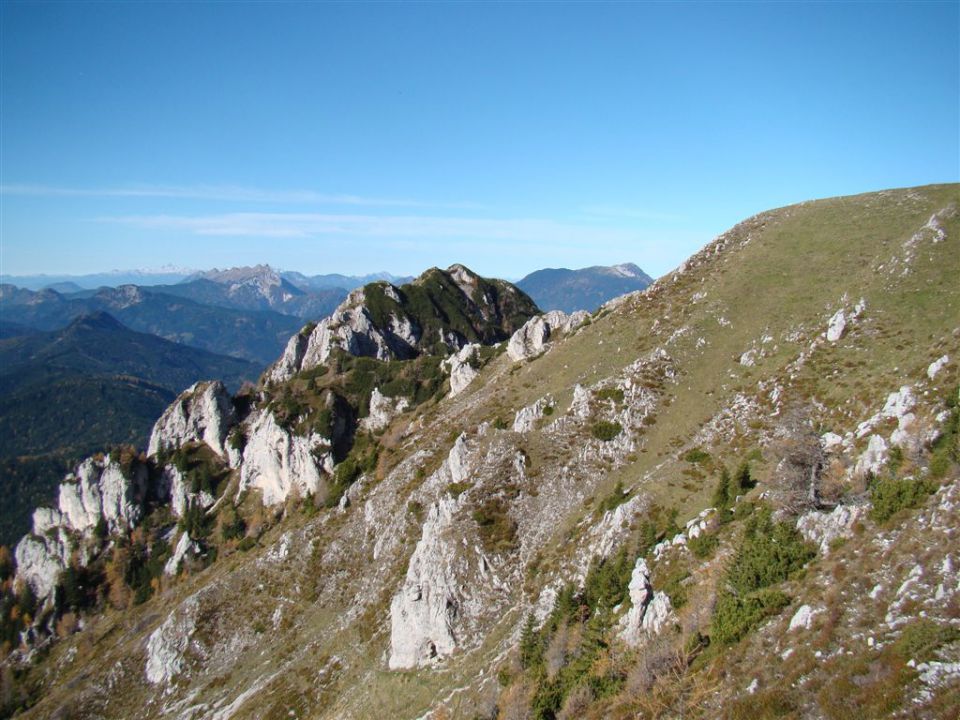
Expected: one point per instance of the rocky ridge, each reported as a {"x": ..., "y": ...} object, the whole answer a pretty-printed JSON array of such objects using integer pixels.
[{"x": 475, "y": 523}]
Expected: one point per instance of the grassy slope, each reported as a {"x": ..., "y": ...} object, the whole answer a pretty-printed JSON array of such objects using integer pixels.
[{"x": 789, "y": 277}]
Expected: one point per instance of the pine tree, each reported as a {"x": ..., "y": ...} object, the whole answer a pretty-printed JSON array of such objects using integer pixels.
[
  {"x": 531, "y": 652},
  {"x": 722, "y": 492},
  {"x": 743, "y": 480}
]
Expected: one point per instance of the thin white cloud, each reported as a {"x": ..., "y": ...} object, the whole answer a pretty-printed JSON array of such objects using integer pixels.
[
  {"x": 225, "y": 193},
  {"x": 634, "y": 213},
  {"x": 303, "y": 225}
]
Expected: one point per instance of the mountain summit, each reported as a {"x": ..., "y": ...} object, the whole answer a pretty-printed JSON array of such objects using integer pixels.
[
  {"x": 584, "y": 289},
  {"x": 438, "y": 313}
]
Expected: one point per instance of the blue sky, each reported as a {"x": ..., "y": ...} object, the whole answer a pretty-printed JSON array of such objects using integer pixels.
[{"x": 361, "y": 137}]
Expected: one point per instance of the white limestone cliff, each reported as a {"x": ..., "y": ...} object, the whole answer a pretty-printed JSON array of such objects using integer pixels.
[
  {"x": 382, "y": 410},
  {"x": 178, "y": 492},
  {"x": 203, "y": 413},
  {"x": 825, "y": 528},
  {"x": 460, "y": 368},
  {"x": 289, "y": 363},
  {"x": 649, "y": 610},
  {"x": 526, "y": 418},
  {"x": 99, "y": 494},
  {"x": 279, "y": 462},
  {"x": 423, "y": 612},
  {"x": 168, "y": 644},
  {"x": 531, "y": 339}
]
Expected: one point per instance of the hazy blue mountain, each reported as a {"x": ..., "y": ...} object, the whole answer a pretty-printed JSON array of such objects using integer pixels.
[
  {"x": 257, "y": 288},
  {"x": 335, "y": 280},
  {"x": 254, "y": 335},
  {"x": 583, "y": 289},
  {"x": 115, "y": 278}
]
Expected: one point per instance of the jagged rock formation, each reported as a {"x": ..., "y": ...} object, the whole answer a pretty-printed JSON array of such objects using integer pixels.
[
  {"x": 169, "y": 642},
  {"x": 649, "y": 610},
  {"x": 423, "y": 612},
  {"x": 526, "y": 418},
  {"x": 440, "y": 312},
  {"x": 826, "y": 528},
  {"x": 459, "y": 365},
  {"x": 382, "y": 410},
  {"x": 531, "y": 339},
  {"x": 278, "y": 462},
  {"x": 100, "y": 496},
  {"x": 203, "y": 413}
]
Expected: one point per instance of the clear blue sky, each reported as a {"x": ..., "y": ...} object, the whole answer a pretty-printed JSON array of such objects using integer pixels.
[{"x": 360, "y": 137}]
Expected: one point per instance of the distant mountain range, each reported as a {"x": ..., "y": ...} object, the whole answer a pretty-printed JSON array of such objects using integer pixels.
[
  {"x": 259, "y": 288},
  {"x": 172, "y": 275},
  {"x": 250, "y": 312},
  {"x": 584, "y": 289},
  {"x": 90, "y": 385},
  {"x": 114, "y": 278},
  {"x": 255, "y": 335}
]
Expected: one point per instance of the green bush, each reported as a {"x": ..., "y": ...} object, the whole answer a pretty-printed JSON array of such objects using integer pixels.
[
  {"x": 675, "y": 589},
  {"x": 723, "y": 493},
  {"x": 921, "y": 639},
  {"x": 890, "y": 495},
  {"x": 606, "y": 583},
  {"x": 237, "y": 439},
  {"x": 735, "y": 616},
  {"x": 457, "y": 489},
  {"x": 615, "y": 499},
  {"x": 696, "y": 456},
  {"x": 769, "y": 553},
  {"x": 605, "y": 430},
  {"x": 703, "y": 546},
  {"x": 946, "y": 448},
  {"x": 614, "y": 393},
  {"x": 498, "y": 531}
]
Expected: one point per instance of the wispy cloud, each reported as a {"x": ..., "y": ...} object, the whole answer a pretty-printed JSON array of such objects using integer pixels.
[
  {"x": 223, "y": 193},
  {"x": 303, "y": 225},
  {"x": 633, "y": 213}
]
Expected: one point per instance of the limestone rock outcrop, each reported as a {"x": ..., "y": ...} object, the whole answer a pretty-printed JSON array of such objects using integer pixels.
[
  {"x": 279, "y": 462},
  {"x": 825, "y": 528},
  {"x": 168, "y": 644},
  {"x": 203, "y": 413},
  {"x": 100, "y": 496},
  {"x": 177, "y": 490},
  {"x": 531, "y": 339},
  {"x": 439, "y": 312},
  {"x": 423, "y": 612},
  {"x": 292, "y": 358},
  {"x": 462, "y": 372},
  {"x": 382, "y": 410},
  {"x": 649, "y": 610},
  {"x": 526, "y": 418}
]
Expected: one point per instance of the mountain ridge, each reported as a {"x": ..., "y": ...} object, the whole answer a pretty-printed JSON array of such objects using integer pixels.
[
  {"x": 584, "y": 289},
  {"x": 558, "y": 539}
]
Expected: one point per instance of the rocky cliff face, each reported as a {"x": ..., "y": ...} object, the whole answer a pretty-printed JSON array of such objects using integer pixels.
[
  {"x": 203, "y": 413},
  {"x": 440, "y": 312},
  {"x": 277, "y": 462},
  {"x": 531, "y": 339},
  {"x": 98, "y": 498}
]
